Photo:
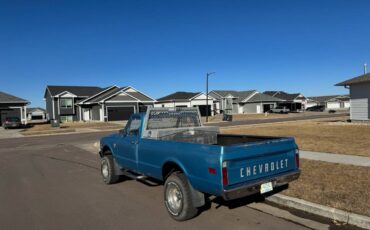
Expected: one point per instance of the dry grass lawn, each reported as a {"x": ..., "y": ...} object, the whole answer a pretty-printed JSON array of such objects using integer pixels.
[
  {"x": 339, "y": 186},
  {"x": 320, "y": 136},
  {"x": 69, "y": 127}
]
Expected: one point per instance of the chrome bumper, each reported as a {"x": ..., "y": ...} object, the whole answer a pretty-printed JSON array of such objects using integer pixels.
[{"x": 250, "y": 189}]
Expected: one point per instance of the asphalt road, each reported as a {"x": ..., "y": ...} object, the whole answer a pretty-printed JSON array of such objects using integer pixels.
[
  {"x": 273, "y": 120},
  {"x": 51, "y": 183}
]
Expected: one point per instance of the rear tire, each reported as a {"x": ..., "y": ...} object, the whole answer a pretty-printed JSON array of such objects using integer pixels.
[
  {"x": 178, "y": 198},
  {"x": 108, "y": 170}
]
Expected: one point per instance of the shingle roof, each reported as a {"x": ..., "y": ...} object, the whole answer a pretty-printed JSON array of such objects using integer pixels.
[
  {"x": 8, "y": 98},
  {"x": 282, "y": 95},
  {"x": 103, "y": 95},
  {"x": 81, "y": 91},
  {"x": 328, "y": 98},
  {"x": 179, "y": 96},
  {"x": 272, "y": 93},
  {"x": 356, "y": 80},
  {"x": 240, "y": 95},
  {"x": 224, "y": 93},
  {"x": 140, "y": 96},
  {"x": 261, "y": 97},
  {"x": 30, "y": 110}
]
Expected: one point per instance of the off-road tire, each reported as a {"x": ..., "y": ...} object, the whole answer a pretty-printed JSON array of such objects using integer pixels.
[
  {"x": 109, "y": 176},
  {"x": 187, "y": 209}
]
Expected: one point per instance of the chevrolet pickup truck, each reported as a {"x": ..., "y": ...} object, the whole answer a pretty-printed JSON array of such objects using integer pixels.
[{"x": 195, "y": 161}]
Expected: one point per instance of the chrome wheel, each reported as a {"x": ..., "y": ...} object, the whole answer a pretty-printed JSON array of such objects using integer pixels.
[
  {"x": 105, "y": 169},
  {"x": 174, "y": 198}
]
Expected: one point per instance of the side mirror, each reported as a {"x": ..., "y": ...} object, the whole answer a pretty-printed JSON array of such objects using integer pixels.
[{"x": 122, "y": 132}]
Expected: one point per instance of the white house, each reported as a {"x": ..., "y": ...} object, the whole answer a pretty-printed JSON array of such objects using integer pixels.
[
  {"x": 36, "y": 114},
  {"x": 238, "y": 102},
  {"x": 330, "y": 102},
  {"x": 188, "y": 99}
]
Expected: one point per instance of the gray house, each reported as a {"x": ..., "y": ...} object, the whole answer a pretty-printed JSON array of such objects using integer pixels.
[
  {"x": 90, "y": 103},
  {"x": 251, "y": 101},
  {"x": 293, "y": 101},
  {"x": 12, "y": 106},
  {"x": 359, "y": 90}
]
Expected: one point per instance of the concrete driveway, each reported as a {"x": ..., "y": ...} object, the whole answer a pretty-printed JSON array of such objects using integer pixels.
[{"x": 9, "y": 133}]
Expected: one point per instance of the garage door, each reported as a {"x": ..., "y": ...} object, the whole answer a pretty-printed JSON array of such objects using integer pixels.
[
  {"x": 203, "y": 110},
  {"x": 119, "y": 113}
]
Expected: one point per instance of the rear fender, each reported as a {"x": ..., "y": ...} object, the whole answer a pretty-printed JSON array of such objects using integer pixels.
[{"x": 197, "y": 197}]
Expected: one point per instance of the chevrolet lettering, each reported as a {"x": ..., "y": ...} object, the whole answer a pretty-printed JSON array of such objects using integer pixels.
[
  {"x": 196, "y": 161},
  {"x": 264, "y": 168}
]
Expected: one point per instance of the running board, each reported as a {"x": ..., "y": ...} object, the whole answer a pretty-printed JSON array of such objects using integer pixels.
[{"x": 134, "y": 176}]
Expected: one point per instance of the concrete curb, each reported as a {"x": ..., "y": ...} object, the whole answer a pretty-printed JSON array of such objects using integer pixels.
[{"x": 321, "y": 210}]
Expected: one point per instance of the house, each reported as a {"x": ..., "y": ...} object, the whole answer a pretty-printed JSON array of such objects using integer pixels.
[
  {"x": 12, "y": 106},
  {"x": 188, "y": 99},
  {"x": 227, "y": 101},
  {"x": 36, "y": 114},
  {"x": 293, "y": 101},
  {"x": 251, "y": 101},
  {"x": 330, "y": 102},
  {"x": 114, "y": 104},
  {"x": 359, "y": 93},
  {"x": 91, "y": 103}
]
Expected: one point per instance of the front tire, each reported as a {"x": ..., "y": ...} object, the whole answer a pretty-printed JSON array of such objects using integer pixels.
[
  {"x": 108, "y": 170},
  {"x": 177, "y": 197}
]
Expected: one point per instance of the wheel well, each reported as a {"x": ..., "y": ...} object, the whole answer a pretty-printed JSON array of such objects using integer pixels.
[
  {"x": 106, "y": 151},
  {"x": 168, "y": 168}
]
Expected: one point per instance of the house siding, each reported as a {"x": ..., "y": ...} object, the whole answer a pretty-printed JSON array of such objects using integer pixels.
[
  {"x": 360, "y": 99},
  {"x": 95, "y": 112},
  {"x": 49, "y": 106}
]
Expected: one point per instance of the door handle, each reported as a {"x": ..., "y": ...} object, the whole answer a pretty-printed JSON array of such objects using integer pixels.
[{"x": 133, "y": 142}]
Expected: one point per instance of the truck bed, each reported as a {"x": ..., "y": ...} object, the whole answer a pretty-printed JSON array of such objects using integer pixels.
[{"x": 207, "y": 135}]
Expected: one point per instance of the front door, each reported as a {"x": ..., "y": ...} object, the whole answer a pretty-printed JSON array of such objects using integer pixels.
[
  {"x": 258, "y": 109},
  {"x": 86, "y": 114},
  {"x": 128, "y": 144}
]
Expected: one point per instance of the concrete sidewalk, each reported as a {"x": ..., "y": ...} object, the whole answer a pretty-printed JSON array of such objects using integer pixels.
[{"x": 336, "y": 158}]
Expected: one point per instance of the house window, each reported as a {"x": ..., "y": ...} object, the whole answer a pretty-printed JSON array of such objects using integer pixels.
[
  {"x": 66, "y": 103},
  {"x": 66, "y": 118}
]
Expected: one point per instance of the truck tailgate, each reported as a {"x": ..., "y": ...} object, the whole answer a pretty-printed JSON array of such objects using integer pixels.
[{"x": 259, "y": 161}]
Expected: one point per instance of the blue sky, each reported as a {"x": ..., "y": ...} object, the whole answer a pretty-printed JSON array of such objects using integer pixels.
[{"x": 164, "y": 46}]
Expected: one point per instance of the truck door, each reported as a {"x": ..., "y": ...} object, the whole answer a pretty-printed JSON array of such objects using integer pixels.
[{"x": 128, "y": 144}]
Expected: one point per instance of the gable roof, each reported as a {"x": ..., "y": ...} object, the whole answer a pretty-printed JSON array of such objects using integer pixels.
[
  {"x": 102, "y": 95},
  {"x": 8, "y": 98},
  {"x": 272, "y": 93},
  {"x": 329, "y": 98},
  {"x": 30, "y": 110},
  {"x": 224, "y": 93},
  {"x": 112, "y": 91},
  {"x": 80, "y": 91},
  {"x": 239, "y": 95},
  {"x": 283, "y": 95},
  {"x": 179, "y": 96},
  {"x": 356, "y": 80},
  {"x": 261, "y": 97}
]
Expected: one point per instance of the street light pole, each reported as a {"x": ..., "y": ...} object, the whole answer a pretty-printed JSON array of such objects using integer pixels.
[{"x": 207, "y": 76}]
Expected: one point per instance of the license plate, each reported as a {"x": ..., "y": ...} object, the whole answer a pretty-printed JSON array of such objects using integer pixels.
[{"x": 266, "y": 187}]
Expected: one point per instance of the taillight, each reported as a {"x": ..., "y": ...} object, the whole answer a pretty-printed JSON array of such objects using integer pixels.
[
  {"x": 297, "y": 158},
  {"x": 225, "y": 180}
]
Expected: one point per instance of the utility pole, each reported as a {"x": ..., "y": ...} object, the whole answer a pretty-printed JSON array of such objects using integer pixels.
[{"x": 207, "y": 76}]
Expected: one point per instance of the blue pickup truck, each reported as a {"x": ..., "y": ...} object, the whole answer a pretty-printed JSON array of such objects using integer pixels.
[{"x": 196, "y": 161}]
